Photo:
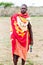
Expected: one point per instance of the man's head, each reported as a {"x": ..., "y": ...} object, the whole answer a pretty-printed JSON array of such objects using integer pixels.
[{"x": 23, "y": 8}]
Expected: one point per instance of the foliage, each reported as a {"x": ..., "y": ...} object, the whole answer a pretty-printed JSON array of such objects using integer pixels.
[
  {"x": 6, "y": 4},
  {"x": 30, "y": 62}
]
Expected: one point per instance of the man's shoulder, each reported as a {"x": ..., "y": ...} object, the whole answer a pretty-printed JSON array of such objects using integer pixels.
[{"x": 14, "y": 15}]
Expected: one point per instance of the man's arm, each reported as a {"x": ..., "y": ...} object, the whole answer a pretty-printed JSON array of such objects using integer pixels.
[{"x": 31, "y": 33}]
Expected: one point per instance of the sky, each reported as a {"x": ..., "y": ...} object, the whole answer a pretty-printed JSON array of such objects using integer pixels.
[{"x": 28, "y": 2}]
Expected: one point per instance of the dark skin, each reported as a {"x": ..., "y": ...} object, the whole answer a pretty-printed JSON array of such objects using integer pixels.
[
  {"x": 31, "y": 33},
  {"x": 23, "y": 11}
]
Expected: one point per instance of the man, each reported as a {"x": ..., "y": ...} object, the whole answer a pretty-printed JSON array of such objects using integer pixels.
[{"x": 21, "y": 35}]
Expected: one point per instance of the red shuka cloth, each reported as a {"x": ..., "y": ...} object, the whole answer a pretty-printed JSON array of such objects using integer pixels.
[{"x": 20, "y": 43}]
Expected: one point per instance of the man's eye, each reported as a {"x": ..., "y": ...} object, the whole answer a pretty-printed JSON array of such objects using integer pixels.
[{"x": 23, "y": 8}]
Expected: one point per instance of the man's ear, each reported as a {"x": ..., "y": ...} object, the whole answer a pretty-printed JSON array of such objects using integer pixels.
[{"x": 26, "y": 9}]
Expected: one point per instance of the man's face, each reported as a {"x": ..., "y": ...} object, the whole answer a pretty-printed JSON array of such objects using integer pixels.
[{"x": 23, "y": 9}]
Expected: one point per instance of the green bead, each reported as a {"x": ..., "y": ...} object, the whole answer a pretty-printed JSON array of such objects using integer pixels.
[{"x": 30, "y": 46}]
